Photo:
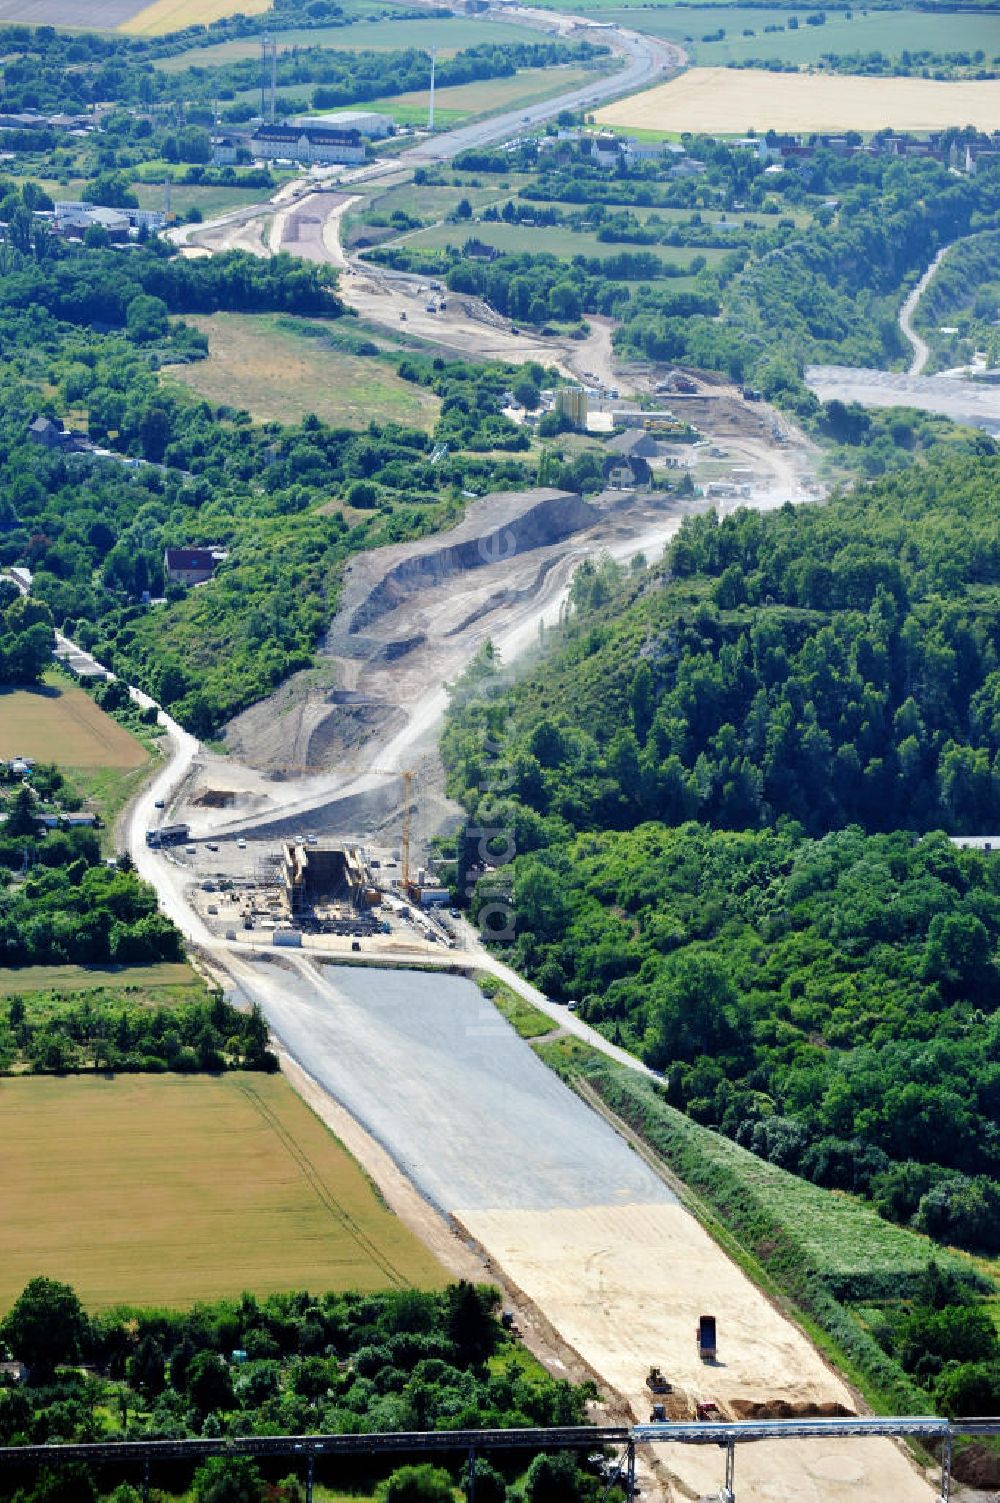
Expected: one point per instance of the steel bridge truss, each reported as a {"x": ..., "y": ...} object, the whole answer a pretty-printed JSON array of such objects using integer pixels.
[{"x": 305, "y": 1449}]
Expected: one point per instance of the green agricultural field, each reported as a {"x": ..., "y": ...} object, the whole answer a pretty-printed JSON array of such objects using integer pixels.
[
  {"x": 209, "y": 201},
  {"x": 888, "y": 31},
  {"x": 485, "y": 97},
  {"x": 166, "y": 980},
  {"x": 554, "y": 239},
  {"x": 102, "y": 761},
  {"x": 58, "y": 722},
  {"x": 429, "y": 202},
  {"x": 258, "y": 363},
  {"x": 448, "y": 35},
  {"x": 166, "y": 1190}
]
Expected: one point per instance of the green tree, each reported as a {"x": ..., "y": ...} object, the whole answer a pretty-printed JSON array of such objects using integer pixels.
[
  {"x": 417, "y": 1484},
  {"x": 146, "y": 319},
  {"x": 209, "y": 1383},
  {"x": 553, "y": 1479},
  {"x": 228, "y": 1479},
  {"x": 46, "y": 1325},
  {"x": 21, "y": 817}
]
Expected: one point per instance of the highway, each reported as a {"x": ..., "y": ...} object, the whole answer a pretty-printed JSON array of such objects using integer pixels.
[{"x": 648, "y": 60}]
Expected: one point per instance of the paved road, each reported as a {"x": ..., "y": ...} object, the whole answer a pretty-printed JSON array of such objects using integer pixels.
[
  {"x": 436, "y": 1076},
  {"x": 976, "y": 403},
  {"x": 647, "y": 61}
]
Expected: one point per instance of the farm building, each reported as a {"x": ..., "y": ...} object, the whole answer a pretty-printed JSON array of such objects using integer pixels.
[
  {"x": 189, "y": 566},
  {"x": 365, "y": 122},
  {"x": 478, "y": 250},
  {"x": 306, "y": 144}
]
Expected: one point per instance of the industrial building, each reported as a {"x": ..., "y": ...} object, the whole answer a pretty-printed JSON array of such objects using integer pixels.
[
  {"x": 365, "y": 122},
  {"x": 72, "y": 216},
  {"x": 571, "y": 404},
  {"x": 306, "y": 144}
]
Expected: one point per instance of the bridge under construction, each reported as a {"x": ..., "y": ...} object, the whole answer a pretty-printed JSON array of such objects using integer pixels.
[{"x": 143, "y": 1455}]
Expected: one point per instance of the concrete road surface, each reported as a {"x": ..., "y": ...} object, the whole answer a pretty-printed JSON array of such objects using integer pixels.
[{"x": 440, "y": 1079}]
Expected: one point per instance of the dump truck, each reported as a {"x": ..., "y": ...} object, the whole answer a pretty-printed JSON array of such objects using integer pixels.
[
  {"x": 656, "y": 1382},
  {"x": 658, "y": 1414},
  {"x": 709, "y": 1413},
  {"x": 705, "y": 1337}
]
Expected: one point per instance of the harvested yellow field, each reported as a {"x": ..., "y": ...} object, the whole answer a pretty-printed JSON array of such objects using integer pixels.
[
  {"x": 171, "y": 1189},
  {"x": 731, "y": 101},
  {"x": 164, "y": 16},
  {"x": 62, "y": 724}
]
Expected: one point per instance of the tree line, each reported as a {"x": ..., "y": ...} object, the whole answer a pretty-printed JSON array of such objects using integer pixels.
[{"x": 295, "y": 1363}]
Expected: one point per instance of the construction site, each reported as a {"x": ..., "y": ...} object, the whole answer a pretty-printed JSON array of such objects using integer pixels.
[{"x": 320, "y": 818}]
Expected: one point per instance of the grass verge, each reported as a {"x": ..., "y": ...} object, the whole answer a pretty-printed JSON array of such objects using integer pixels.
[{"x": 820, "y": 1254}]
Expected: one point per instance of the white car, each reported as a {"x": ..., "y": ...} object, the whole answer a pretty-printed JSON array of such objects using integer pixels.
[{"x": 241, "y": 844}]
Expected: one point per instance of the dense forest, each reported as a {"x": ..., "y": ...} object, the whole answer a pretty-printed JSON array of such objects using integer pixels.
[
  {"x": 798, "y": 682},
  {"x": 288, "y": 1364},
  {"x": 105, "y": 1029},
  {"x": 66, "y": 904}
]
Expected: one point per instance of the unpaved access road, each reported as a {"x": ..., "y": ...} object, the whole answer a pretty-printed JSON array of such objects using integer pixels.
[
  {"x": 921, "y": 351},
  {"x": 572, "y": 1215}
]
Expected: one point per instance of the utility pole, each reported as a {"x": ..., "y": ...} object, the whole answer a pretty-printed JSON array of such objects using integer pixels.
[{"x": 430, "y": 107}]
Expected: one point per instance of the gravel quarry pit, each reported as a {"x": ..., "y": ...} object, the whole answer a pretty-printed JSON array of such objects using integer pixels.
[
  {"x": 411, "y": 617},
  {"x": 571, "y": 1214}
]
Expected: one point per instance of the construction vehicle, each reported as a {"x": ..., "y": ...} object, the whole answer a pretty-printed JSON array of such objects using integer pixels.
[
  {"x": 709, "y": 1413},
  {"x": 705, "y": 1337},
  {"x": 658, "y": 1414},
  {"x": 656, "y": 1382}
]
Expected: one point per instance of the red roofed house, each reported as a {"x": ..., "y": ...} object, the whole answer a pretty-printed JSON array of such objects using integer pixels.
[{"x": 189, "y": 566}]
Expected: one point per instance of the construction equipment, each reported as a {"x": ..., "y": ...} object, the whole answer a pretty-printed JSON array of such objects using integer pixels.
[
  {"x": 656, "y": 1382},
  {"x": 709, "y": 1413},
  {"x": 705, "y": 1337},
  {"x": 658, "y": 1414}
]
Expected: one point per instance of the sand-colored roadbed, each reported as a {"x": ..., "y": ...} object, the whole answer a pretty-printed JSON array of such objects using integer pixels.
[
  {"x": 732, "y": 100},
  {"x": 624, "y": 1285}
]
